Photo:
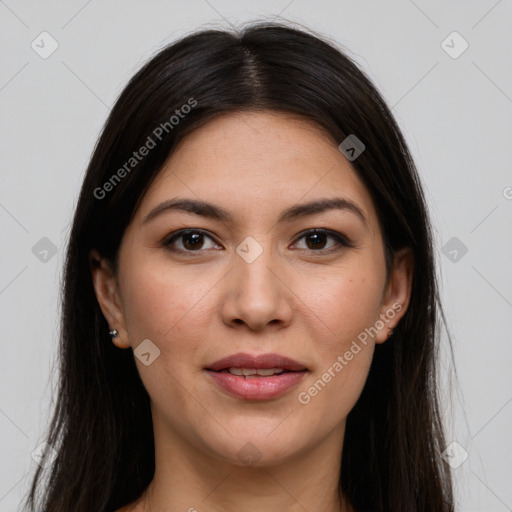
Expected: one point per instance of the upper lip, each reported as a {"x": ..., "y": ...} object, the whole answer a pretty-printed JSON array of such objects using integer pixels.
[{"x": 242, "y": 360}]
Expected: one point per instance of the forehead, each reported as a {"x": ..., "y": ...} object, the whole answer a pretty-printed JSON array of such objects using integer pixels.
[{"x": 255, "y": 162}]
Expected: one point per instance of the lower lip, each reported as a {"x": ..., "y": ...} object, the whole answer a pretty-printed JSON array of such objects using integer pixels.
[{"x": 256, "y": 388}]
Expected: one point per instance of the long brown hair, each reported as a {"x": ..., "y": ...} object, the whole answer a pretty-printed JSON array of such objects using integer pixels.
[{"x": 101, "y": 426}]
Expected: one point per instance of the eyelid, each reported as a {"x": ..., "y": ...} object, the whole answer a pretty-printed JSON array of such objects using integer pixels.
[
  {"x": 341, "y": 239},
  {"x": 175, "y": 235}
]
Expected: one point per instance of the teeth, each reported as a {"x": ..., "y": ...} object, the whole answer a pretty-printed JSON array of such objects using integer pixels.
[
  {"x": 248, "y": 372},
  {"x": 269, "y": 371}
]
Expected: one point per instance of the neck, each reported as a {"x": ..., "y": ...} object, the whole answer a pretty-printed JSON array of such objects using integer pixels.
[{"x": 186, "y": 479}]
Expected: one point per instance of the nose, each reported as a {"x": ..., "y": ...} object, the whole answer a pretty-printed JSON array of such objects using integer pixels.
[{"x": 256, "y": 294}]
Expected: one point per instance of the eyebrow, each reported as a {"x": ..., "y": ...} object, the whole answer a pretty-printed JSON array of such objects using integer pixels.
[{"x": 212, "y": 211}]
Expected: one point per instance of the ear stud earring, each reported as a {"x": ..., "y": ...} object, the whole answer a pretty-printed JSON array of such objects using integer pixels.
[{"x": 114, "y": 333}]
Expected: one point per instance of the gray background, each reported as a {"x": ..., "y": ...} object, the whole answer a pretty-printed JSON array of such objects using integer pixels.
[{"x": 456, "y": 114}]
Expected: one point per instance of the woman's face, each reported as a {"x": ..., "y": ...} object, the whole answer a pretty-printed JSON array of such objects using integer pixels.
[{"x": 250, "y": 282}]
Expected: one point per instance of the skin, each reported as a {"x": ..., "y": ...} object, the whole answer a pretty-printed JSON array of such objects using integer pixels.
[{"x": 295, "y": 299}]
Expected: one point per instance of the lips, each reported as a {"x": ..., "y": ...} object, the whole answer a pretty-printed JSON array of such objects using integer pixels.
[
  {"x": 237, "y": 375},
  {"x": 263, "y": 361}
]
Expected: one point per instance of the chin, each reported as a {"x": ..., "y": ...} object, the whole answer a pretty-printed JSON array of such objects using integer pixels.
[{"x": 248, "y": 450}]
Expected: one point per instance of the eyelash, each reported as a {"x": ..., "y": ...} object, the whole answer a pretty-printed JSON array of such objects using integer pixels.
[{"x": 341, "y": 240}]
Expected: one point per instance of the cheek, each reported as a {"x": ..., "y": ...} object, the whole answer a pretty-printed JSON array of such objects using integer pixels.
[
  {"x": 346, "y": 303},
  {"x": 335, "y": 388},
  {"x": 161, "y": 303},
  {"x": 355, "y": 304},
  {"x": 169, "y": 307}
]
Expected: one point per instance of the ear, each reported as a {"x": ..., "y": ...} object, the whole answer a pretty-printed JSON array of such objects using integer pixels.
[
  {"x": 397, "y": 293},
  {"x": 107, "y": 294}
]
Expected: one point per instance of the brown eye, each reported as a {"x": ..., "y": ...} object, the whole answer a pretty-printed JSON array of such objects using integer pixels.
[
  {"x": 316, "y": 240},
  {"x": 191, "y": 241},
  {"x": 194, "y": 240}
]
